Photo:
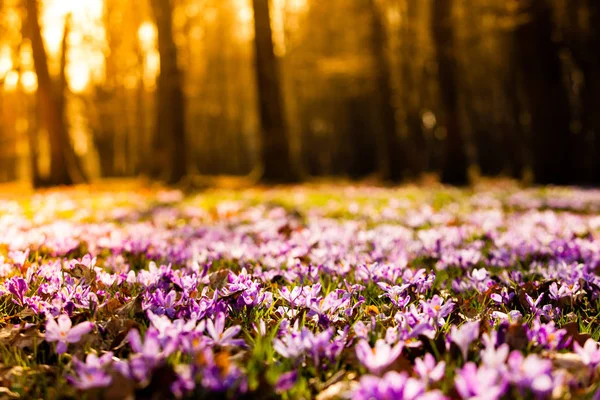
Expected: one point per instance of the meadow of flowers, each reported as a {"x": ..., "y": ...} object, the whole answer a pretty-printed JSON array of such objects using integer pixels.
[{"x": 300, "y": 293}]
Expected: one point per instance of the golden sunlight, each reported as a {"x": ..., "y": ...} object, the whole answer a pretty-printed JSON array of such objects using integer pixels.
[
  {"x": 147, "y": 35},
  {"x": 79, "y": 76},
  {"x": 6, "y": 63},
  {"x": 26, "y": 55},
  {"x": 283, "y": 15},
  {"x": 82, "y": 58},
  {"x": 29, "y": 81},
  {"x": 151, "y": 68},
  {"x": 297, "y": 6},
  {"x": 11, "y": 81}
]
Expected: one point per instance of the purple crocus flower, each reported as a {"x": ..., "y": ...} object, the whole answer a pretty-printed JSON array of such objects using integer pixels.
[
  {"x": 185, "y": 381},
  {"x": 533, "y": 304},
  {"x": 162, "y": 303},
  {"x": 62, "y": 331},
  {"x": 479, "y": 274},
  {"x": 393, "y": 386},
  {"x": 530, "y": 373},
  {"x": 479, "y": 383},
  {"x": 464, "y": 336},
  {"x": 17, "y": 286},
  {"x": 557, "y": 293},
  {"x": 321, "y": 346},
  {"x": 151, "y": 345},
  {"x": 378, "y": 358},
  {"x": 493, "y": 357},
  {"x": 428, "y": 370},
  {"x": 92, "y": 373},
  {"x": 89, "y": 379},
  {"x": 511, "y": 316},
  {"x": 219, "y": 374},
  {"x": 286, "y": 381},
  {"x": 504, "y": 297},
  {"x": 548, "y": 336},
  {"x": 146, "y": 357},
  {"x": 361, "y": 330},
  {"x": 589, "y": 353},
  {"x": 395, "y": 293},
  {"x": 436, "y": 309},
  {"x": 290, "y": 345},
  {"x": 19, "y": 257},
  {"x": 221, "y": 336}
]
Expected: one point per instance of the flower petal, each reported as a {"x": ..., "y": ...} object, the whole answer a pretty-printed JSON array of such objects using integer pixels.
[
  {"x": 64, "y": 322},
  {"x": 79, "y": 330},
  {"x": 52, "y": 330}
]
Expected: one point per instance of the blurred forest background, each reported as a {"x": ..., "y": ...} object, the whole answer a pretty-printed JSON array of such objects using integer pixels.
[{"x": 286, "y": 90}]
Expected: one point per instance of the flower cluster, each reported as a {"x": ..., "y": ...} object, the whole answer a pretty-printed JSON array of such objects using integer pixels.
[{"x": 371, "y": 294}]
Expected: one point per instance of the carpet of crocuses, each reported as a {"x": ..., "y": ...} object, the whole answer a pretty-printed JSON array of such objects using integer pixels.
[{"x": 325, "y": 292}]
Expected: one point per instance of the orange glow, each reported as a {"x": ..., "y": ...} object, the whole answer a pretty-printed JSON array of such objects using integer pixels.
[
  {"x": 11, "y": 81},
  {"x": 26, "y": 55},
  {"x": 87, "y": 42},
  {"x": 245, "y": 17},
  {"x": 296, "y": 6},
  {"x": 11, "y": 17},
  {"x": 84, "y": 12},
  {"x": 151, "y": 68},
  {"x": 83, "y": 53},
  {"x": 6, "y": 63},
  {"x": 147, "y": 36},
  {"x": 29, "y": 81},
  {"x": 282, "y": 18},
  {"x": 79, "y": 76}
]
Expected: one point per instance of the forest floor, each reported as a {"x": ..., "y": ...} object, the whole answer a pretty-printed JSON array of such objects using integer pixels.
[{"x": 324, "y": 291}]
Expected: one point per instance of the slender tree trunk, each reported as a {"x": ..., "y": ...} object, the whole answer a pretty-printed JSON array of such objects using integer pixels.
[
  {"x": 74, "y": 164},
  {"x": 591, "y": 90},
  {"x": 591, "y": 98},
  {"x": 3, "y": 158},
  {"x": 48, "y": 102},
  {"x": 33, "y": 141},
  {"x": 276, "y": 154},
  {"x": 103, "y": 129},
  {"x": 514, "y": 137},
  {"x": 391, "y": 154},
  {"x": 545, "y": 93},
  {"x": 140, "y": 165},
  {"x": 411, "y": 82},
  {"x": 169, "y": 138},
  {"x": 455, "y": 162}
]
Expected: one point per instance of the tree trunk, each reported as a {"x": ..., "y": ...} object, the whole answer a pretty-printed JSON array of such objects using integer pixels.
[
  {"x": 455, "y": 164},
  {"x": 275, "y": 155},
  {"x": 514, "y": 135},
  {"x": 545, "y": 94},
  {"x": 169, "y": 140},
  {"x": 74, "y": 164},
  {"x": 591, "y": 123},
  {"x": 33, "y": 141},
  {"x": 590, "y": 66},
  {"x": 48, "y": 102},
  {"x": 364, "y": 155},
  {"x": 391, "y": 157}
]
